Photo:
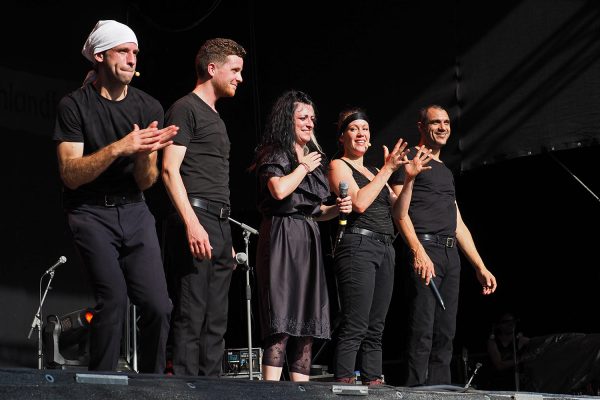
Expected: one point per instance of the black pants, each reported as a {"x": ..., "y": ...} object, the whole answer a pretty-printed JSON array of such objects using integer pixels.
[
  {"x": 201, "y": 296},
  {"x": 432, "y": 329},
  {"x": 364, "y": 270},
  {"x": 120, "y": 248}
]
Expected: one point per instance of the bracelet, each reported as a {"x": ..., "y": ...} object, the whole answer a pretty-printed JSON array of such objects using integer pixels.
[{"x": 305, "y": 165}]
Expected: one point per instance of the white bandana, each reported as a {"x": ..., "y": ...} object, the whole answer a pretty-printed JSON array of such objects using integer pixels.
[{"x": 106, "y": 35}]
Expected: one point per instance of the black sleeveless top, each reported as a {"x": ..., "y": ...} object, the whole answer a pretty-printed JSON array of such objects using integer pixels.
[
  {"x": 378, "y": 216},
  {"x": 433, "y": 205}
]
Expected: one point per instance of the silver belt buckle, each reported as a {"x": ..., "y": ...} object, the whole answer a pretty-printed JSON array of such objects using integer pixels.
[
  {"x": 449, "y": 242},
  {"x": 224, "y": 213},
  {"x": 108, "y": 202}
]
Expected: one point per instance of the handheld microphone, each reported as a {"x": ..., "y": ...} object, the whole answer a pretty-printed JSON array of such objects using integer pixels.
[
  {"x": 436, "y": 293},
  {"x": 343, "y": 188},
  {"x": 241, "y": 258}
]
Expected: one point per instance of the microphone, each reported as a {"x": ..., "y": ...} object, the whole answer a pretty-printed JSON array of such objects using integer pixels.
[
  {"x": 60, "y": 261},
  {"x": 477, "y": 366},
  {"x": 241, "y": 258},
  {"x": 343, "y": 188},
  {"x": 436, "y": 293},
  {"x": 137, "y": 73}
]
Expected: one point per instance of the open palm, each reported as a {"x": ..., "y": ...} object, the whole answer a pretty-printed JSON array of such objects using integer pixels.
[{"x": 419, "y": 162}]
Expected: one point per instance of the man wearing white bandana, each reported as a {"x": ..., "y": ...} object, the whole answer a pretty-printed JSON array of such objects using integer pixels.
[{"x": 108, "y": 135}]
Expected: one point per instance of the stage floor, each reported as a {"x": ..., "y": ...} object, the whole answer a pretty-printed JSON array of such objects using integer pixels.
[{"x": 70, "y": 385}]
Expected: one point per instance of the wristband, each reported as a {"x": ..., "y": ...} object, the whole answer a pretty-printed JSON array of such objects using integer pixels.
[{"x": 305, "y": 165}]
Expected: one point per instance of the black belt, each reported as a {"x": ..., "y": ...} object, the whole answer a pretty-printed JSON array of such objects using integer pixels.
[
  {"x": 219, "y": 210},
  {"x": 448, "y": 241},
  {"x": 107, "y": 200},
  {"x": 301, "y": 216},
  {"x": 387, "y": 239}
]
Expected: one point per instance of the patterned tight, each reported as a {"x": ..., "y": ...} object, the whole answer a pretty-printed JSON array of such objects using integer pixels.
[{"x": 300, "y": 352}]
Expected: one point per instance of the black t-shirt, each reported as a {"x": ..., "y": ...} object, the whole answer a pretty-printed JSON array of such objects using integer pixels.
[
  {"x": 86, "y": 117},
  {"x": 205, "y": 166},
  {"x": 433, "y": 205}
]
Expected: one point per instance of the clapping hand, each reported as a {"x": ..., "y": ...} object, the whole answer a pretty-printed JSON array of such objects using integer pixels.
[{"x": 146, "y": 140}]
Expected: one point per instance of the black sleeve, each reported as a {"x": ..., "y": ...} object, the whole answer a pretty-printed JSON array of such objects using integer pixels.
[
  {"x": 182, "y": 116},
  {"x": 68, "y": 125}
]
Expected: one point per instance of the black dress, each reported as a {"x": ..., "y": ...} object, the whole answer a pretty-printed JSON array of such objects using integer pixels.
[{"x": 292, "y": 289}]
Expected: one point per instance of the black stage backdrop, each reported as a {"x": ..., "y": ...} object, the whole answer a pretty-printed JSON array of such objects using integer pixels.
[{"x": 520, "y": 78}]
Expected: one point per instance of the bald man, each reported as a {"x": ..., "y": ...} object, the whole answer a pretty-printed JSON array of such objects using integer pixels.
[{"x": 108, "y": 134}]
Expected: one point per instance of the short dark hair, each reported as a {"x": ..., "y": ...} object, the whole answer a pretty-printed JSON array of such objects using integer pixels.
[
  {"x": 423, "y": 112},
  {"x": 216, "y": 51}
]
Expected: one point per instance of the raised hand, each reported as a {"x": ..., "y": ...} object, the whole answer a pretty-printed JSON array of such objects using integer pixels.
[
  {"x": 397, "y": 157},
  {"x": 419, "y": 162},
  {"x": 311, "y": 161}
]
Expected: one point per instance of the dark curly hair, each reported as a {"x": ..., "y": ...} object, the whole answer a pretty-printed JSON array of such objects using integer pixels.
[{"x": 279, "y": 134}]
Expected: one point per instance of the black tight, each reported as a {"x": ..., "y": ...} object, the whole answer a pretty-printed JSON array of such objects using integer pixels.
[{"x": 300, "y": 352}]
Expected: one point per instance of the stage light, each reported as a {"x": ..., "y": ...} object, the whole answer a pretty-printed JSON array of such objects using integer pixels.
[
  {"x": 66, "y": 339},
  {"x": 88, "y": 316}
]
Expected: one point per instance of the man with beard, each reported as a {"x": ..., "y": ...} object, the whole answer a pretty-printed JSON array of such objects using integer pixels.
[
  {"x": 108, "y": 136},
  {"x": 199, "y": 251}
]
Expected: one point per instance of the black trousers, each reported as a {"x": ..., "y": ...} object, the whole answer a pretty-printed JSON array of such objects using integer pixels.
[
  {"x": 119, "y": 247},
  {"x": 432, "y": 329},
  {"x": 201, "y": 296},
  {"x": 364, "y": 270}
]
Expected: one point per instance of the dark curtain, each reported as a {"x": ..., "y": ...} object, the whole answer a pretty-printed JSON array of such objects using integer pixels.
[{"x": 530, "y": 84}]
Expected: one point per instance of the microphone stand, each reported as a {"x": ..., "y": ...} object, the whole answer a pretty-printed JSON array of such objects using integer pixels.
[
  {"x": 515, "y": 358},
  {"x": 248, "y": 230},
  {"x": 37, "y": 318},
  {"x": 574, "y": 176},
  {"x": 465, "y": 358},
  {"x": 468, "y": 384}
]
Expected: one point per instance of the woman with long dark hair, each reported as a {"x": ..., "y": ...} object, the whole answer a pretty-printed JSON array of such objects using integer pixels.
[{"x": 293, "y": 189}]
